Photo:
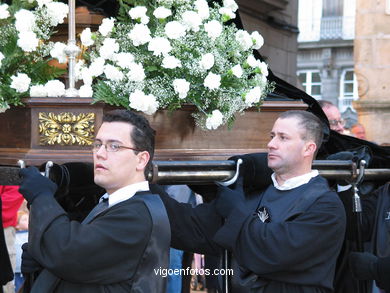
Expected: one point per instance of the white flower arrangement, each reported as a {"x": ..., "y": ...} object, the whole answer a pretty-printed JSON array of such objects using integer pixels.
[
  {"x": 25, "y": 49},
  {"x": 166, "y": 53}
]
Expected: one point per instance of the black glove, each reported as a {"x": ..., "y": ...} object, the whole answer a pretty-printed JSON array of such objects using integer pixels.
[
  {"x": 35, "y": 184},
  {"x": 355, "y": 155},
  {"x": 229, "y": 199},
  {"x": 255, "y": 170},
  {"x": 364, "y": 265},
  {"x": 29, "y": 264}
]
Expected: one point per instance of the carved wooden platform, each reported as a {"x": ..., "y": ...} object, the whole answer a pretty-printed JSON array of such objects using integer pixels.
[{"x": 62, "y": 130}]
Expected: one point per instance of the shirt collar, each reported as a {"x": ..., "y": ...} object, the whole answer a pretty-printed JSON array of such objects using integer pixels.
[
  {"x": 295, "y": 181},
  {"x": 125, "y": 193}
]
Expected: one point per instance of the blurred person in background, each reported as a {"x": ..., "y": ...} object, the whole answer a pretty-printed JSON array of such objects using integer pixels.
[
  {"x": 336, "y": 123},
  {"x": 11, "y": 202},
  {"x": 358, "y": 130}
]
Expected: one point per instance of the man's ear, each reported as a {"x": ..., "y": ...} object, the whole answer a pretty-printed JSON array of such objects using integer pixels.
[
  {"x": 143, "y": 159},
  {"x": 310, "y": 148}
]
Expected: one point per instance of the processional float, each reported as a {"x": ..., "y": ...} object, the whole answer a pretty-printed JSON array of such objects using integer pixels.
[{"x": 187, "y": 171}]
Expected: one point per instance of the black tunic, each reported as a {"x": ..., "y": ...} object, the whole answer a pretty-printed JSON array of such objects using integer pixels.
[
  {"x": 295, "y": 252},
  {"x": 101, "y": 256}
]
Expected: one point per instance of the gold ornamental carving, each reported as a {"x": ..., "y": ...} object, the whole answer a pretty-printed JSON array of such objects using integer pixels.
[{"x": 66, "y": 128}]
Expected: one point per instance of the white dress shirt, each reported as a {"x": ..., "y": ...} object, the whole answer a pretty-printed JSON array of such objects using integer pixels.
[
  {"x": 295, "y": 181},
  {"x": 125, "y": 193}
]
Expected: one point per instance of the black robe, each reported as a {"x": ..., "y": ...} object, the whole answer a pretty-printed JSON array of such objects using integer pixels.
[
  {"x": 295, "y": 253},
  {"x": 104, "y": 255},
  {"x": 380, "y": 232}
]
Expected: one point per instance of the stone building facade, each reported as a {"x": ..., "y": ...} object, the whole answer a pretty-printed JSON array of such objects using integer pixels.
[
  {"x": 372, "y": 67},
  {"x": 325, "y": 64},
  {"x": 276, "y": 21}
]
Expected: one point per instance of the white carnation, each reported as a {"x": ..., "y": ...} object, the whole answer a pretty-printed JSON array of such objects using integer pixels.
[
  {"x": 213, "y": 29},
  {"x": 97, "y": 66},
  {"x": 38, "y": 91},
  {"x": 86, "y": 37},
  {"x": 212, "y": 81},
  {"x": 141, "y": 102},
  {"x": 203, "y": 9},
  {"x": 136, "y": 72},
  {"x": 231, "y": 4},
  {"x": 162, "y": 12},
  {"x": 191, "y": 20},
  {"x": 4, "y": 13},
  {"x": 109, "y": 48},
  {"x": 263, "y": 68},
  {"x": 253, "y": 96},
  {"x": 139, "y": 13},
  {"x": 20, "y": 82},
  {"x": 171, "y": 62},
  {"x": 255, "y": 63},
  {"x": 215, "y": 120},
  {"x": 1, "y": 58},
  {"x": 244, "y": 39},
  {"x": 252, "y": 61},
  {"x": 57, "y": 12},
  {"x": 159, "y": 46},
  {"x": 123, "y": 59},
  {"x": 227, "y": 13},
  {"x": 58, "y": 52},
  {"x": 112, "y": 73},
  {"x": 107, "y": 25},
  {"x": 140, "y": 34},
  {"x": 87, "y": 76},
  {"x": 24, "y": 20},
  {"x": 258, "y": 40},
  {"x": 55, "y": 88},
  {"x": 85, "y": 91},
  {"x": 174, "y": 30},
  {"x": 181, "y": 87},
  {"x": 28, "y": 41},
  {"x": 207, "y": 61},
  {"x": 237, "y": 70}
]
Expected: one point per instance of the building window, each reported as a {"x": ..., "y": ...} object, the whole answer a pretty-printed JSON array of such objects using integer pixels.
[
  {"x": 311, "y": 82},
  {"x": 309, "y": 20},
  {"x": 332, "y": 20},
  {"x": 332, "y": 8},
  {"x": 348, "y": 90}
]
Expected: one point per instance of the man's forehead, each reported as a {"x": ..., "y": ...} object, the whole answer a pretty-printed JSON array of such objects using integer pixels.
[
  {"x": 333, "y": 112},
  {"x": 286, "y": 121},
  {"x": 288, "y": 126},
  {"x": 114, "y": 131}
]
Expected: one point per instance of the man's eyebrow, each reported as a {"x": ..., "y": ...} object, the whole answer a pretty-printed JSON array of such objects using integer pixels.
[
  {"x": 108, "y": 141},
  {"x": 278, "y": 133}
]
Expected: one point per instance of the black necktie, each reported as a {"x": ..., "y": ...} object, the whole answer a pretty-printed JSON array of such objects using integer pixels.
[{"x": 101, "y": 206}]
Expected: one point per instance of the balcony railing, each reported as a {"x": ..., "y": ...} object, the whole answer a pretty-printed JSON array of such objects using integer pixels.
[
  {"x": 331, "y": 28},
  {"x": 327, "y": 28}
]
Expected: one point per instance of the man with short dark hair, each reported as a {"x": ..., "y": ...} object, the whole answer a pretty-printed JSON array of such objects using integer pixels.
[
  {"x": 284, "y": 237},
  {"x": 124, "y": 238}
]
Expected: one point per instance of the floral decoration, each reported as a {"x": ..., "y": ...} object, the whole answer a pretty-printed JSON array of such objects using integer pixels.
[
  {"x": 26, "y": 27},
  {"x": 166, "y": 53}
]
